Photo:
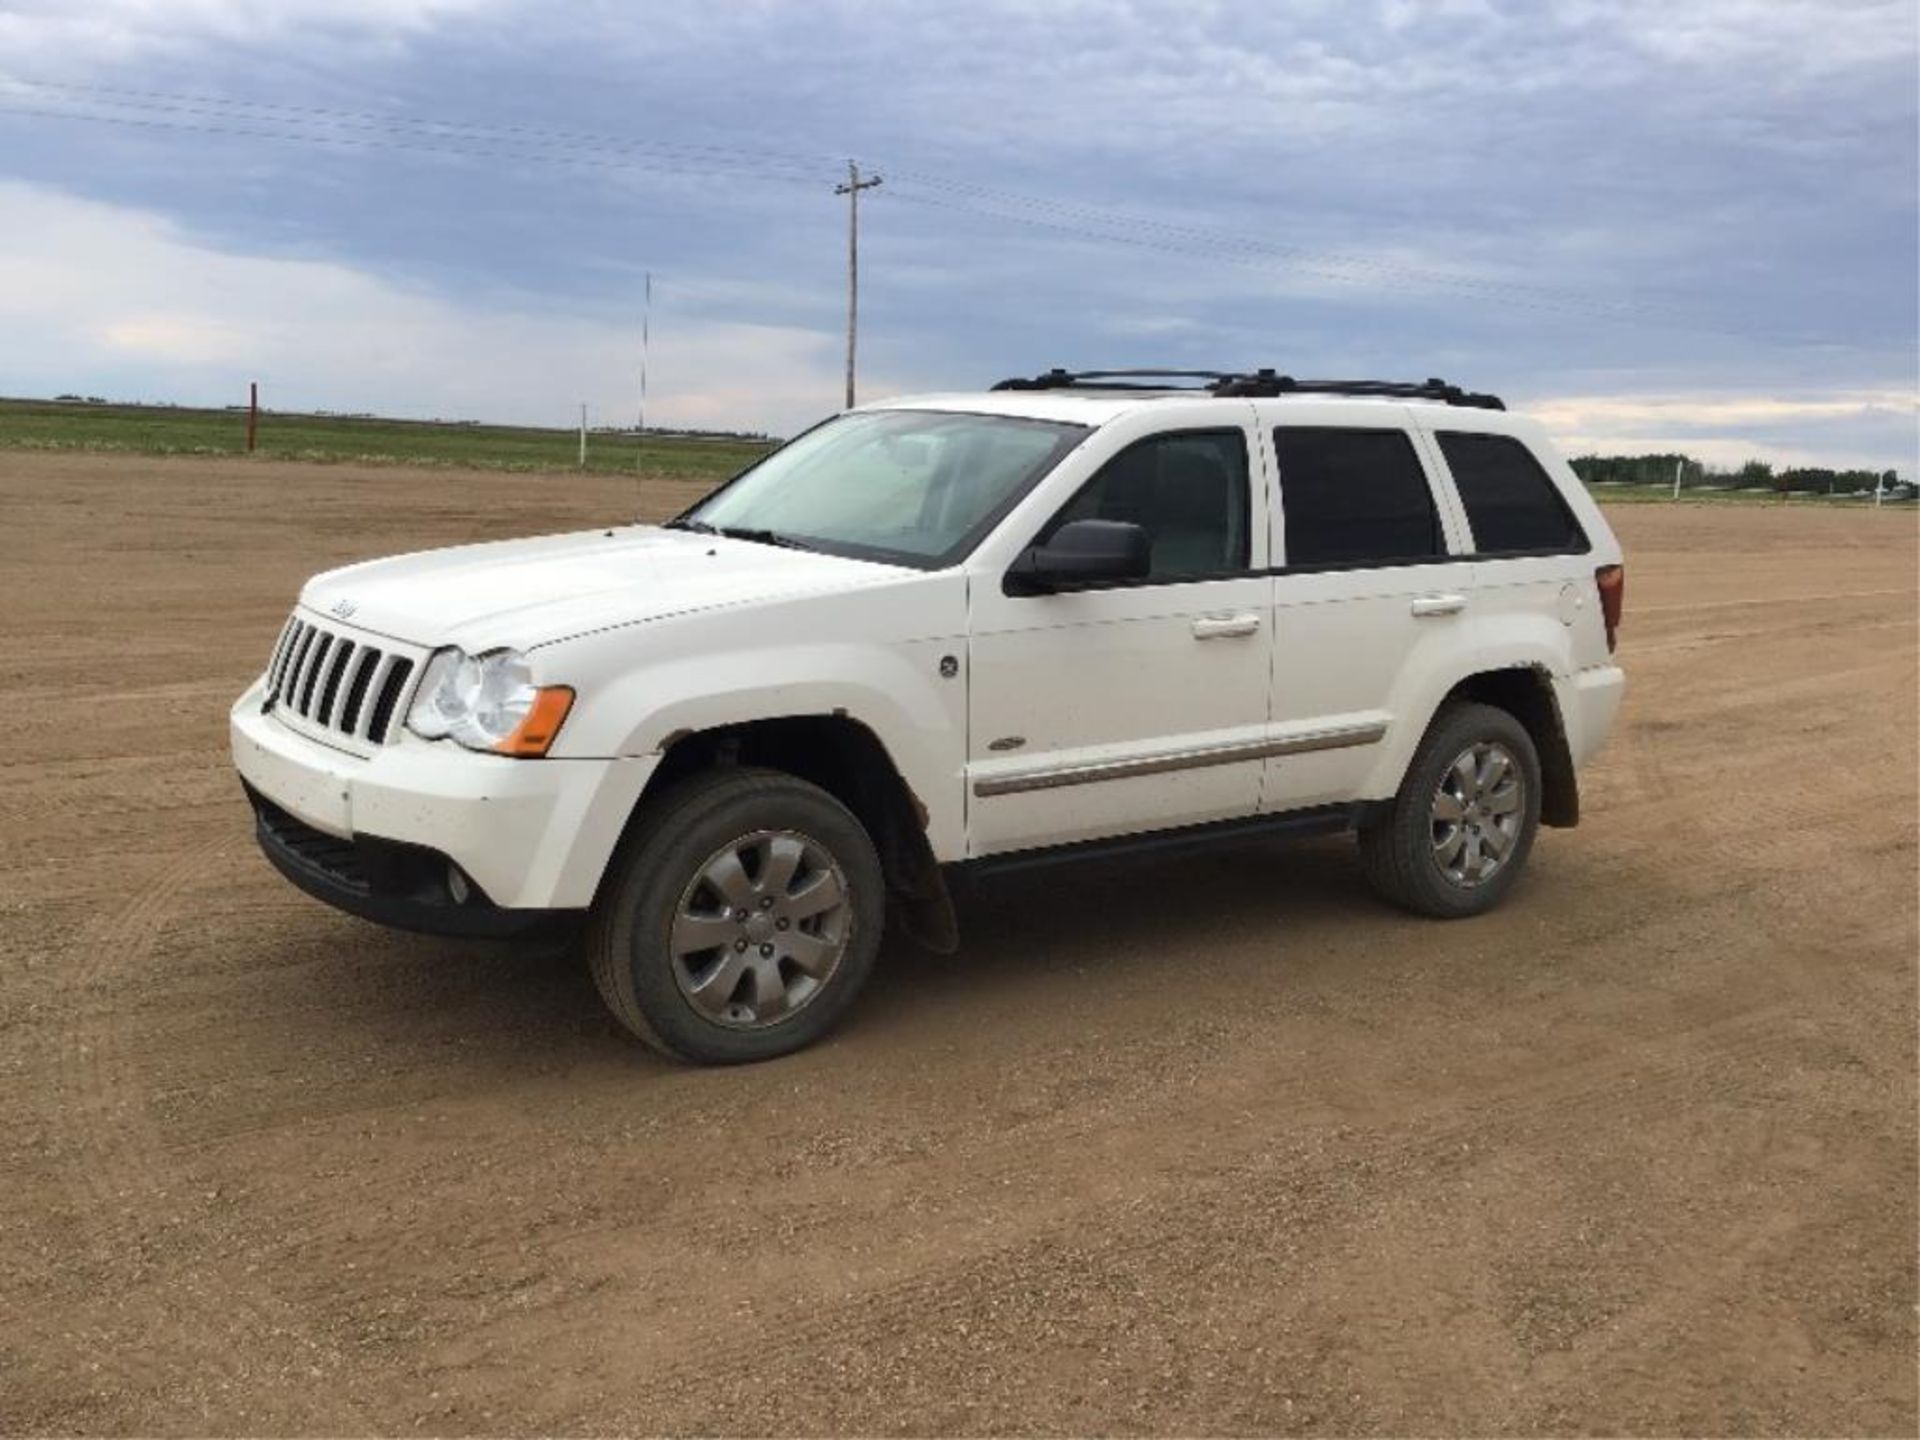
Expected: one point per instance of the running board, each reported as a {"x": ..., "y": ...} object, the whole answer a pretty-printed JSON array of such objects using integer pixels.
[{"x": 1188, "y": 839}]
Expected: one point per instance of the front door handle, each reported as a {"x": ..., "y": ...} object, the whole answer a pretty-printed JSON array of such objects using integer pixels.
[
  {"x": 1439, "y": 605},
  {"x": 1225, "y": 627}
]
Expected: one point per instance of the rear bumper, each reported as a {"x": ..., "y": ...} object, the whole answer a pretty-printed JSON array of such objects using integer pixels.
[
  {"x": 1589, "y": 701},
  {"x": 528, "y": 835}
]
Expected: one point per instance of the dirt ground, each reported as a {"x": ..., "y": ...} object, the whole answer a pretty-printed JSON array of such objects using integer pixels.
[{"x": 1635, "y": 1154}]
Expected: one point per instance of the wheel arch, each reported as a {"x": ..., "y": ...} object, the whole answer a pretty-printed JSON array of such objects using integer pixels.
[
  {"x": 1526, "y": 692},
  {"x": 848, "y": 760}
]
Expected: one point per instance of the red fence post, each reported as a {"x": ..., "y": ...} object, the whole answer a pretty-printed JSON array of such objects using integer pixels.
[{"x": 253, "y": 412}]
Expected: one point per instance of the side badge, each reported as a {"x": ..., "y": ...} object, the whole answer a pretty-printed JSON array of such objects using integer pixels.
[{"x": 949, "y": 666}]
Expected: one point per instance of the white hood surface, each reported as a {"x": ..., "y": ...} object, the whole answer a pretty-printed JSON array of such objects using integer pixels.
[{"x": 525, "y": 593}]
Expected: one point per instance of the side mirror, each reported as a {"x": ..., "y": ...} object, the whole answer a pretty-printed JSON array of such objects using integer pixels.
[{"x": 1082, "y": 552}]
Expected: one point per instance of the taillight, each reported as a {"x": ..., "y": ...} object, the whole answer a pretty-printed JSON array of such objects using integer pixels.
[{"x": 1612, "y": 580}]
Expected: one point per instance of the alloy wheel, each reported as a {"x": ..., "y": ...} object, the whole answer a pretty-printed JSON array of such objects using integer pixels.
[
  {"x": 760, "y": 929},
  {"x": 1478, "y": 809}
]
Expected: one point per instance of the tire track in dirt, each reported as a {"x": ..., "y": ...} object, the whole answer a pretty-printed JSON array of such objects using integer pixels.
[
  {"x": 1764, "y": 634},
  {"x": 117, "y": 1165},
  {"x": 1695, "y": 606},
  {"x": 1625, "y": 1357},
  {"x": 1219, "y": 1177},
  {"x": 1246, "y": 1098},
  {"x": 1205, "y": 1155},
  {"x": 1071, "y": 1207},
  {"x": 1005, "y": 1156}
]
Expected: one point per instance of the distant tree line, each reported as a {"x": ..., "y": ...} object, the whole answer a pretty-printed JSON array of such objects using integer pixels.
[{"x": 1754, "y": 475}]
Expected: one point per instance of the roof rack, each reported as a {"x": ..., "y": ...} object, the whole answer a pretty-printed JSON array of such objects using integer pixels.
[
  {"x": 1258, "y": 384},
  {"x": 1267, "y": 383},
  {"x": 1058, "y": 379}
]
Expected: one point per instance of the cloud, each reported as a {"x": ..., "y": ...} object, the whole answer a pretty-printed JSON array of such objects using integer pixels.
[
  {"x": 97, "y": 290},
  {"x": 1617, "y": 411},
  {"x": 59, "y": 36},
  {"x": 1869, "y": 429},
  {"x": 115, "y": 299},
  {"x": 1686, "y": 202},
  {"x": 1207, "y": 82},
  {"x": 1794, "y": 40}
]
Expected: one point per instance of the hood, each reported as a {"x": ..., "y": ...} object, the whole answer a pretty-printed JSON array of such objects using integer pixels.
[{"x": 525, "y": 593}]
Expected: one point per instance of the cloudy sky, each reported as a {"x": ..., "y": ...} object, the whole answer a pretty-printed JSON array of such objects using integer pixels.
[{"x": 1657, "y": 223}]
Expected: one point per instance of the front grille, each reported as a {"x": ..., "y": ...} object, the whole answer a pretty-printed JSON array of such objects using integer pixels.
[{"x": 335, "y": 682}]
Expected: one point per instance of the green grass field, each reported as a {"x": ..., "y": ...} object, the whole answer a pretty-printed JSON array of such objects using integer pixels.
[
  {"x": 1612, "y": 494},
  {"x": 162, "y": 430},
  {"x": 165, "y": 430}
]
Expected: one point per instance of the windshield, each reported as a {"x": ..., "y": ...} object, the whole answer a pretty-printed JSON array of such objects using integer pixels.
[{"x": 917, "y": 487}]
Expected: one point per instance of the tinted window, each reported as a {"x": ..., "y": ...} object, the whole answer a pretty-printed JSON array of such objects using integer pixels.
[
  {"x": 1354, "y": 497},
  {"x": 1187, "y": 489},
  {"x": 1511, "y": 504}
]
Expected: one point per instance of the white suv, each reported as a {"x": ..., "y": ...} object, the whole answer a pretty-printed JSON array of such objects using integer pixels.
[{"x": 1076, "y": 614}]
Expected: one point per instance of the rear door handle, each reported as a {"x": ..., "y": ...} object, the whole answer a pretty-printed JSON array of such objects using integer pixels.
[
  {"x": 1225, "y": 627},
  {"x": 1439, "y": 605}
]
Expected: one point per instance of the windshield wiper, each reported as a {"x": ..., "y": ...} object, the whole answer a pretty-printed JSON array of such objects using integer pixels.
[
  {"x": 761, "y": 537},
  {"x": 752, "y": 533}
]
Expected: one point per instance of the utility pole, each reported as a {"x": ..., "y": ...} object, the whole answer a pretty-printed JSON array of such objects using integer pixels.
[
  {"x": 646, "y": 342},
  {"x": 1679, "y": 469},
  {"x": 851, "y": 189}
]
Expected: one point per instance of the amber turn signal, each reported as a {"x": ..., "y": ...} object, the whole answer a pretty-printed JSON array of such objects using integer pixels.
[{"x": 533, "y": 735}]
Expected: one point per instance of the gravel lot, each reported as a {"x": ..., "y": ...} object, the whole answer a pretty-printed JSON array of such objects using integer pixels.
[{"x": 1217, "y": 1145}]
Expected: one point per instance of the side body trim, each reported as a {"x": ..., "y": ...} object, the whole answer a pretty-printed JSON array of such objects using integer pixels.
[{"x": 1053, "y": 777}]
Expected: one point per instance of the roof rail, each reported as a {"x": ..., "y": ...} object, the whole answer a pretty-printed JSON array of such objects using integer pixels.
[
  {"x": 1267, "y": 383},
  {"x": 1258, "y": 384},
  {"x": 1058, "y": 379}
]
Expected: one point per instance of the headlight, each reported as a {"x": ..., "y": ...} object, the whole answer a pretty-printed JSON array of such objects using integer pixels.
[{"x": 488, "y": 702}]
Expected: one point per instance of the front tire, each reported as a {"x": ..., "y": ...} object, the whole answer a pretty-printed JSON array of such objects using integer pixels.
[
  {"x": 1458, "y": 833},
  {"x": 743, "y": 921}
]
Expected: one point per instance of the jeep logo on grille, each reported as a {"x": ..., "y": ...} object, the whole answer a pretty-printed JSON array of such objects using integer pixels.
[{"x": 343, "y": 608}]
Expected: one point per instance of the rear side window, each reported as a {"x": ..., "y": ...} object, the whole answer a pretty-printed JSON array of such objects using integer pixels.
[
  {"x": 1354, "y": 498},
  {"x": 1512, "y": 504}
]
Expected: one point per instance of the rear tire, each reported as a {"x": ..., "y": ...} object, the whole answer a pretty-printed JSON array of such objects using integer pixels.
[
  {"x": 1456, "y": 837},
  {"x": 742, "y": 920}
]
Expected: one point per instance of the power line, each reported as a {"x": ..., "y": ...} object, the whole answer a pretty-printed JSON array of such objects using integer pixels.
[
  {"x": 1071, "y": 218},
  {"x": 597, "y": 144},
  {"x": 591, "y": 141},
  {"x": 660, "y": 162},
  {"x": 601, "y": 158},
  {"x": 594, "y": 145},
  {"x": 577, "y": 149},
  {"x": 1639, "y": 315}
]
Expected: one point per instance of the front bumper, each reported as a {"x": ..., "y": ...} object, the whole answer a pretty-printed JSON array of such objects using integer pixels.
[
  {"x": 528, "y": 835},
  {"x": 405, "y": 886}
]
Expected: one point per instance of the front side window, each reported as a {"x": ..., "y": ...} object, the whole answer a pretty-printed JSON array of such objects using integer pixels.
[
  {"x": 1354, "y": 498},
  {"x": 915, "y": 487},
  {"x": 1187, "y": 489},
  {"x": 1512, "y": 504}
]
